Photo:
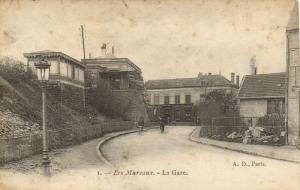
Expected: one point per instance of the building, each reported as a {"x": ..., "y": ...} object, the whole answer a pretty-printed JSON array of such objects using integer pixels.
[
  {"x": 121, "y": 73},
  {"x": 66, "y": 78},
  {"x": 63, "y": 69},
  {"x": 123, "y": 77},
  {"x": 262, "y": 94},
  {"x": 174, "y": 98},
  {"x": 293, "y": 77}
]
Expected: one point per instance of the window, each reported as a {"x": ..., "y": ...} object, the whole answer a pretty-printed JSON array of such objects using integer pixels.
[
  {"x": 177, "y": 99},
  {"x": 187, "y": 99},
  {"x": 275, "y": 106},
  {"x": 156, "y": 99},
  {"x": 53, "y": 67},
  {"x": 154, "y": 112},
  {"x": 188, "y": 114},
  {"x": 202, "y": 97},
  {"x": 63, "y": 69},
  {"x": 167, "y": 99}
]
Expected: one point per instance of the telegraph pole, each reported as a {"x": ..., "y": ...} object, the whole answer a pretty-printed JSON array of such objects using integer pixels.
[
  {"x": 83, "y": 45},
  {"x": 83, "y": 48}
]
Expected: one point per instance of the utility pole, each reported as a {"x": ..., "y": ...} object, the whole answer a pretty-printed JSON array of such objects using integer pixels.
[
  {"x": 83, "y": 45},
  {"x": 83, "y": 48}
]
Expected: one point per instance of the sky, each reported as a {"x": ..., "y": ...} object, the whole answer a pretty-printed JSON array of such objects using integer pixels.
[{"x": 166, "y": 39}]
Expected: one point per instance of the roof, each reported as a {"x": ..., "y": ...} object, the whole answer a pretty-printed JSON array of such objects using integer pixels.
[
  {"x": 210, "y": 80},
  {"x": 263, "y": 86},
  {"x": 111, "y": 60},
  {"x": 50, "y": 53},
  {"x": 293, "y": 20}
]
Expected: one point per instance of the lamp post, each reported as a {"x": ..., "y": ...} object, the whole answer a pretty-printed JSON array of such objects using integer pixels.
[{"x": 42, "y": 71}]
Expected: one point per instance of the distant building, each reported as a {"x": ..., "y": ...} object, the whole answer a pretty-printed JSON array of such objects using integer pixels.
[
  {"x": 174, "y": 98},
  {"x": 121, "y": 73},
  {"x": 63, "y": 69},
  {"x": 293, "y": 77},
  {"x": 262, "y": 94}
]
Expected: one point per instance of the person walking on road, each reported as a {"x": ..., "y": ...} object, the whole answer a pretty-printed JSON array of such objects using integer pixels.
[
  {"x": 141, "y": 124},
  {"x": 161, "y": 124}
]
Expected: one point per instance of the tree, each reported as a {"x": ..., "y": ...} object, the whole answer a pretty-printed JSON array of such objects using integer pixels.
[{"x": 217, "y": 103}]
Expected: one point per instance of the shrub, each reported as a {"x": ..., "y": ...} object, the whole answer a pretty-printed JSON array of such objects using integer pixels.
[{"x": 108, "y": 102}]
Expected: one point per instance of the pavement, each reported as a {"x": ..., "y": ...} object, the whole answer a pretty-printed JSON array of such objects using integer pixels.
[
  {"x": 179, "y": 163},
  {"x": 175, "y": 161},
  {"x": 285, "y": 153}
]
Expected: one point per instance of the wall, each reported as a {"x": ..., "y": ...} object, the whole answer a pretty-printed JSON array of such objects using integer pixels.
[
  {"x": 253, "y": 108},
  {"x": 67, "y": 95},
  {"x": 293, "y": 85},
  {"x": 137, "y": 106}
]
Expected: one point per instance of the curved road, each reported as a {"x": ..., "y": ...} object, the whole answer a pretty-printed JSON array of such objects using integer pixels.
[{"x": 171, "y": 161}]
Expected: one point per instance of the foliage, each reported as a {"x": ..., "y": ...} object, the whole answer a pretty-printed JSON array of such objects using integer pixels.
[
  {"x": 217, "y": 103},
  {"x": 108, "y": 102},
  {"x": 14, "y": 71},
  {"x": 273, "y": 119}
]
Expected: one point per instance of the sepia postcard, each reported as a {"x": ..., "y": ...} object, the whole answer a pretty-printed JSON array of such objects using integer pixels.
[{"x": 149, "y": 94}]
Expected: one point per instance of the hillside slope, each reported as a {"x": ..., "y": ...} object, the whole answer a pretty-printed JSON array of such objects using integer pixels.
[{"x": 20, "y": 99}]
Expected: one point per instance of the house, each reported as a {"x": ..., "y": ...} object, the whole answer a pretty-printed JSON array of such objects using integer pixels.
[
  {"x": 174, "y": 98},
  {"x": 63, "y": 69},
  {"x": 262, "y": 94},
  {"x": 121, "y": 73},
  {"x": 293, "y": 77}
]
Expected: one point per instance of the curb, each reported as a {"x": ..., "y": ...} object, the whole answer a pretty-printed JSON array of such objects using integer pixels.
[
  {"x": 238, "y": 150},
  {"x": 104, "y": 140}
]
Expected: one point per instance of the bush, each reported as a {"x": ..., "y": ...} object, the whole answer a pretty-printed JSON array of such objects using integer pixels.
[
  {"x": 14, "y": 71},
  {"x": 108, "y": 102},
  {"x": 217, "y": 103}
]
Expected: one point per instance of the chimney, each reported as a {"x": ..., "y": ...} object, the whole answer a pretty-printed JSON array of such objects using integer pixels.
[
  {"x": 103, "y": 49},
  {"x": 112, "y": 50},
  {"x": 238, "y": 80},
  {"x": 232, "y": 78},
  {"x": 253, "y": 67},
  {"x": 90, "y": 56},
  {"x": 209, "y": 73}
]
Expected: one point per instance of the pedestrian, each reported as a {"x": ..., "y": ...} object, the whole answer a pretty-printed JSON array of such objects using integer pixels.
[
  {"x": 161, "y": 124},
  {"x": 141, "y": 124}
]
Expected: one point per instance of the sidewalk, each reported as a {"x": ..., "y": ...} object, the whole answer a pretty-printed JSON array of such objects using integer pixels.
[{"x": 285, "y": 153}]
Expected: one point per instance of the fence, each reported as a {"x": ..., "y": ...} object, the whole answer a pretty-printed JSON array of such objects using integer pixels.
[
  {"x": 223, "y": 126},
  {"x": 15, "y": 148},
  {"x": 267, "y": 121}
]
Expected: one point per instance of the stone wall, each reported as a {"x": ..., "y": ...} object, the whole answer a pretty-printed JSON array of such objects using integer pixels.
[
  {"x": 253, "y": 108},
  {"x": 293, "y": 86},
  {"x": 137, "y": 107},
  {"x": 67, "y": 95}
]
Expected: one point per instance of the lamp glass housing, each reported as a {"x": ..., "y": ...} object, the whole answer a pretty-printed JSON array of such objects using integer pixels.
[{"x": 42, "y": 70}]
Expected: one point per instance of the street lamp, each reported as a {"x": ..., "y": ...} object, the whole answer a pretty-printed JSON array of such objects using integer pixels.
[{"x": 42, "y": 71}]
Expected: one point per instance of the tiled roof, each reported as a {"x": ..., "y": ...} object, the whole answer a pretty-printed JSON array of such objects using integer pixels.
[
  {"x": 293, "y": 20},
  {"x": 263, "y": 86},
  {"x": 210, "y": 80}
]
